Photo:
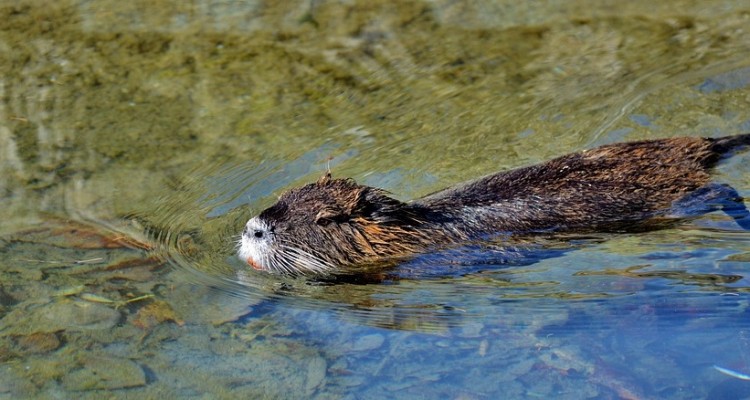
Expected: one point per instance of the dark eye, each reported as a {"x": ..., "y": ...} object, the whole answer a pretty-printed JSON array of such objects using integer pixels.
[{"x": 258, "y": 234}]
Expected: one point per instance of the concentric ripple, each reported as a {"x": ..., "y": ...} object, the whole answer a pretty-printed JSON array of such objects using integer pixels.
[{"x": 198, "y": 229}]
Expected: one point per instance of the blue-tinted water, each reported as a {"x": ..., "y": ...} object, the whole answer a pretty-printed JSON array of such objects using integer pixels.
[{"x": 136, "y": 142}]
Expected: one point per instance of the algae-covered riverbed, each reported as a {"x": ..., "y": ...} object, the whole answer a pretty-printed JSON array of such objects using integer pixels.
[{"x": 136, "y": 138}]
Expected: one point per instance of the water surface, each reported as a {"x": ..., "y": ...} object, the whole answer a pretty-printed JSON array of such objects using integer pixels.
[{"x": 136, "y": 140}]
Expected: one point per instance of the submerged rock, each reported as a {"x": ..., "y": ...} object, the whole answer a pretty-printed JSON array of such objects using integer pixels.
[
  {"x": 54, "y": 317},
  {"x": 102, "y": 373},
  {"x": 39, "y": 342},
  {"x": 368, "y": 342},
  {"x": 155, "y": 313},
  {"x": 80, "y": 315},
  {"x": 316, "y": 374}
]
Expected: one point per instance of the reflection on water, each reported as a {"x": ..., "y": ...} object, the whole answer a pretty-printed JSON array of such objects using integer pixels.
[{"x": 137, "y": 139}]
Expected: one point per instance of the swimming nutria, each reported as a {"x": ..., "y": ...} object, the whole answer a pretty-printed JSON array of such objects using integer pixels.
[{"x": 333, "y": 223}]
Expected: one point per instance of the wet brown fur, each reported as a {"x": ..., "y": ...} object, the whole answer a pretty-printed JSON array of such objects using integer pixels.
[{"x": 610, "y": 188}]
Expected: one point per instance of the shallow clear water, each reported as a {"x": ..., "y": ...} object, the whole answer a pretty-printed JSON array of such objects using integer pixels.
[{"x": 136, "y": 140}]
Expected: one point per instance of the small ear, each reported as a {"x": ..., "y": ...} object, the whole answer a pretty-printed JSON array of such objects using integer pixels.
[
  {"x": 327, "y": 215},
  {"x": 359, "y": 202},
  {"x": 377, "y": 205}
]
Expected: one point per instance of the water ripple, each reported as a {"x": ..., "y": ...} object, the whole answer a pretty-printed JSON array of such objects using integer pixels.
[{"x": 198, "y": 230}]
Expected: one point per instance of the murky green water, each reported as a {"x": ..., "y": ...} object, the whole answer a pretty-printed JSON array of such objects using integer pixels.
[{"x": 136, "y": 139}]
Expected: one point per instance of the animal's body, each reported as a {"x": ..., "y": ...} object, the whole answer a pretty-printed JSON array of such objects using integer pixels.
[{"x": 328, "y": 225}]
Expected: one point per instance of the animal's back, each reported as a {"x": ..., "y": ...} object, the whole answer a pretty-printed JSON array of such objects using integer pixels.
[{"x": 610, "y": 185}]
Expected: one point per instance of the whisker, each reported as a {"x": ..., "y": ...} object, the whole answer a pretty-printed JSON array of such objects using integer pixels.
[
  {"x": 309, "y": 261},
  {"x": 313, "y": 264},
  {"x": 286, "y": 257},
  {"x": 287, "y": 266},
  {"x": 299, "y": 259},
  {"x": 277, "y": 263}
]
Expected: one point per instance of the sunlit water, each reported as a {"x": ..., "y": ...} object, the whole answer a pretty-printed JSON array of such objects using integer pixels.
[{"x": 136, "y": 143}]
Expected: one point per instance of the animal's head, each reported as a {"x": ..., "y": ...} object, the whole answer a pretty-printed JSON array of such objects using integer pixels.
[{"x": 321, "y": 226}]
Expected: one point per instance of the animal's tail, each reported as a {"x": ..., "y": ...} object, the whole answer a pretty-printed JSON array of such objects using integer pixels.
[
  {"x": 727, "y": 145},
  {"x": 733, "y": 204}
]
